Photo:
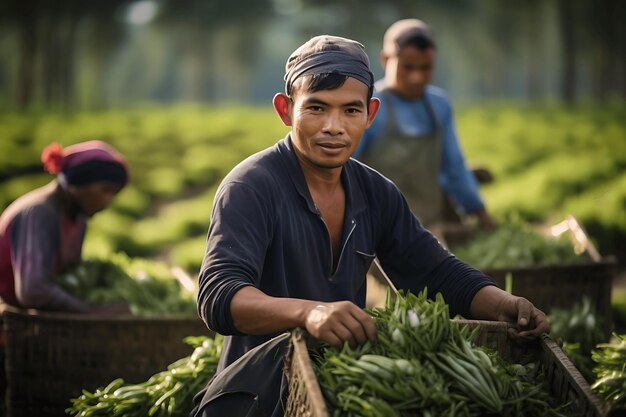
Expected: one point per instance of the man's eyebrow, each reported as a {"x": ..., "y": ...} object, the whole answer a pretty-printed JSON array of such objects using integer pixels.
[
  {"x": 355, "y": 103},
  {"x": 315, "y": 100}
]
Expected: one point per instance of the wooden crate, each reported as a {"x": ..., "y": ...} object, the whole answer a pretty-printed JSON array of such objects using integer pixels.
[
  {"x": 566, "y": 383},
  {"x": 51, "y": 357}
]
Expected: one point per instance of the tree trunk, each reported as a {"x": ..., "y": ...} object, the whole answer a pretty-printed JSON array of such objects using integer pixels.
[
  {"x": 25, "y": 83},
  {"x": 568, "y": 37},
  {"x": 67, "y": 74},
  {"x": 608, "y": 47},
  {"x": 59, "y": 40},
  {"x": 533, "y": 48},
  {"x": 50, "y": 58}
]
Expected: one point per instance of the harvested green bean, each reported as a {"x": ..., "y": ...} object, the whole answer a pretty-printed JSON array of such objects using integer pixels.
[
  {"x": 426, "y": 364},
  {"x": 610, "y": 359},
  {"x": 166, "y": 394}
]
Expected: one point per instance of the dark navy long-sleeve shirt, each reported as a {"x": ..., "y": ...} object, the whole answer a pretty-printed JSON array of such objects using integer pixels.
[{"x": 266, "y": 232}]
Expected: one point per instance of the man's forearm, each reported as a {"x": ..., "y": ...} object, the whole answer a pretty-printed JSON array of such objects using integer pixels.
[
  {"x": 254, "y": 312},
  {"x": 491, "y": 303},
  {"x": 488, "y": 303}
]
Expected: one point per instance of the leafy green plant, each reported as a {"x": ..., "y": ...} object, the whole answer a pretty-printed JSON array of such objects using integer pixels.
[
  {"x": 610, "y": 359},
  {"x": 580, "y": 329},
  {"x": 516, "y": 244},
  {"x": 548, "y": 161},
  {"x": 147, "y": 286}
]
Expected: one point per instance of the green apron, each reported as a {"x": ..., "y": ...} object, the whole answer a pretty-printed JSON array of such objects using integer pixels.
[{"x": 412, "y": 163}]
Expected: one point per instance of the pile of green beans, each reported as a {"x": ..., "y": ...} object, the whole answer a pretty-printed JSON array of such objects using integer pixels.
[
  {"x": 146, "y": 285},
  {"x": 580, "y": 328},
  {"x": 425, "y": 364},
  {"x": 166, "y": 394},
  {"x": 517, "y": 244},
  {"x": 610, "y": 359}
]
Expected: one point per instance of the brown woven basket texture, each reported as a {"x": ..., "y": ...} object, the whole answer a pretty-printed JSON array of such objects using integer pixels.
[
  {"x": 305, "y": 397},
  {"x": 51, "y": 357},
  {"x": 553, "y": 286},
  {"x": 562, "y": 286},
  {"x": 566, "y": 383}
]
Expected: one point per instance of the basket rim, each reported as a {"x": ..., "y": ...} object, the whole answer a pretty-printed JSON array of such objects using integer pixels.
[
  {"x": 300, "y": 355},
  {"x": 7, "y": 310},
  {"x": 580, "y": 384},
  {"x": 606, "y": 261}
]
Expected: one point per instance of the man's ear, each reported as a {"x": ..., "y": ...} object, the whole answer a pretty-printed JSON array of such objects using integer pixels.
[
  {"x": 372, "y": 110},
  {"x": 383, "y": 59},
  {"x": 282, "y": 105}
]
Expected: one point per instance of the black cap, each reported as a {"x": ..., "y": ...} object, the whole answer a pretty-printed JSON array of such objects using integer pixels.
[{"x": 326, "y": 54}]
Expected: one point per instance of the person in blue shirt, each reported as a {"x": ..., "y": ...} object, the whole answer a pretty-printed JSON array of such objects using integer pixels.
[
  {"x": 413, "y": 140},
  {"x": 295, "y": 227}
]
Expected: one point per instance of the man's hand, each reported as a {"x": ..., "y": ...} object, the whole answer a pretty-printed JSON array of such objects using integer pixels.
[
  {"x": 339, "y": 322},
  {"x": 531, "y": 322},
  {"x": 256, "y": 313},
  {"x": 485, "y": 219},
  {"x": 492, "y": 303}
]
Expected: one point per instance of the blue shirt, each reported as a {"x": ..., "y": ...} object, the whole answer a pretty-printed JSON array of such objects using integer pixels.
[
  {"x": 267, "y": 232},
  {"x": 413, "y": 119}
]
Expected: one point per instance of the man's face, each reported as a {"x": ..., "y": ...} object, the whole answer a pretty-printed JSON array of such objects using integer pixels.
[
  {"x": 410, "y": 71},
  {"x": 327, "y": 125}
]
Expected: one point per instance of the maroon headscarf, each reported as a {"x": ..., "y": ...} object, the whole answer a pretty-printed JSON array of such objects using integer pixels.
[{"x": 86, "y": 162}]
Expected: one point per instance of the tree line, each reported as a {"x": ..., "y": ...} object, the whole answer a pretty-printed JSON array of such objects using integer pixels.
[{"x": 72, "y": 53}]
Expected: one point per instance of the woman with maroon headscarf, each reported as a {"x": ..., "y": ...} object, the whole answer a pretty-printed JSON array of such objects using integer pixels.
[{"x": 42, "y": 232}]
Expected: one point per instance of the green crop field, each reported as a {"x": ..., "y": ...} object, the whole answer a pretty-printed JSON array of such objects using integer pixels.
[
  {"x": 177, "y": 158},
  {"x": 547, "y": 161}
]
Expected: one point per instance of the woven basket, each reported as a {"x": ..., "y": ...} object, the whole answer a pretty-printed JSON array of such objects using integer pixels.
[
  {"x": 51, "y": 357},
  {"x": 562, "y": 286},
  {"x": 566, "y": 383},
  {"x": 558, "y": 285}
]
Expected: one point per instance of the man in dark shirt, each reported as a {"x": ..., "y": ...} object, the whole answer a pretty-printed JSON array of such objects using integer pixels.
[{"x": 295, "y": 228}]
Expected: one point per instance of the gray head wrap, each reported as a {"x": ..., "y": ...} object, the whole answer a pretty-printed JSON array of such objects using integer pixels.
[
  {"x": 402, "y": 31},
  {"x": 329, "y": 54}
]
